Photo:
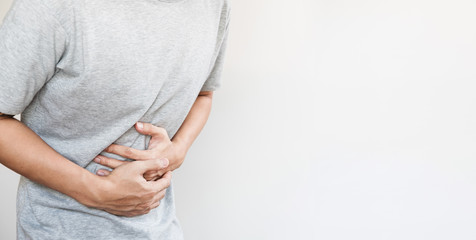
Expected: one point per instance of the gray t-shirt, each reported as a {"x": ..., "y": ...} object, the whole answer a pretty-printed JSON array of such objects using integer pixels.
[{"x": 82, "y": 72}]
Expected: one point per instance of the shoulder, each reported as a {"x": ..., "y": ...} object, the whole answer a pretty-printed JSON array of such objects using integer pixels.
[
  {"x": 47, "y": 7},
  {"x": 220, "y": 6},
  {"x": 57, "y": 14},
  {"x": 36, "y": 12}
]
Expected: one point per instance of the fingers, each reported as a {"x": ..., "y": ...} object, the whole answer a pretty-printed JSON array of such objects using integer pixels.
[
  {"x": 108, "y": 162},
  {"x": 153, "y": 175},
  {"x": 129, "y": 152},
  {"x": 162, "y": 183},
  {"x": 158, "y": 135},
  {"x": 103, "y": 172},
  {"x": 151, "y": 194},
  {"x": 157, "y": 199},
  {"x": 127, "y": 213},
  {"x": 149, "y": 129},
  {"x": 152, "y": 165},
  {"x": 146, "y": 208}
]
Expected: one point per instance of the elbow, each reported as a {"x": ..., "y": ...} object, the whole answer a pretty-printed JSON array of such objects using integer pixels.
[
  {"x": 5, "y": 116},
  {"x": 208, "y": 94}
]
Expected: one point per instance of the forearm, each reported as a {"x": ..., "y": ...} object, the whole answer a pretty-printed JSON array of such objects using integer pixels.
[
  {"x": 194, "y": 122},
  {"x": 23, "y": 151}
]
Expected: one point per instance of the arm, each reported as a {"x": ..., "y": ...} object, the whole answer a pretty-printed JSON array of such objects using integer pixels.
[
  {"x": 27, "y": 154},
  {"x": 192, "y": 126},
  {"x": 23, "y": 151},
  {"x": 160, "y": 145}
]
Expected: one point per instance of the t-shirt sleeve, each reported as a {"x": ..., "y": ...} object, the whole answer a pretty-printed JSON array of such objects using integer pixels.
[
  {"x": 32, "y": 42},
  {"x": 213, "y": 81}
]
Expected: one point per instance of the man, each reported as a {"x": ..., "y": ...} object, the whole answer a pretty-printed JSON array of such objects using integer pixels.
[{"x": 100, "y": 84}]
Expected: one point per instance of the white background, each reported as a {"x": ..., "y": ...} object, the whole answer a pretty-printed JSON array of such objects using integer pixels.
[{"x": 337, "y": 119}]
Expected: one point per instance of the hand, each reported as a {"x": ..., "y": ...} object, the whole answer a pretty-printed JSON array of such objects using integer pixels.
[
  {"x": 160, "y": 146},
  {"x": 125, "y": 192}
]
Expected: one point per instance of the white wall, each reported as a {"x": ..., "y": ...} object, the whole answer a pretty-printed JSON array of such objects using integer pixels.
[{"x": 337, "y": 119}]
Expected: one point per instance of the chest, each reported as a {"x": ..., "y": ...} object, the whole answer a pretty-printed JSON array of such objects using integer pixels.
[
  {"x": 149, "y": 45},
  {"x": 129, "y": 55}
]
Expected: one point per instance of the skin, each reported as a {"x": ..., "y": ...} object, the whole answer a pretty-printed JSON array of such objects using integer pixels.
[
  {"x": 124, "y": 191},
  {"x": 160, "y": 145}
]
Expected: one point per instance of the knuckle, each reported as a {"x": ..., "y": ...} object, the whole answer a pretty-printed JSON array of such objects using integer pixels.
[
  {"x": 156, "y": 204},
  {"x": 150, "y": 176},
  {"x": 159, "y": 174},
  {"x": 148, "y": 196},
  {"x": 162, "y": 131},
  {"x": 111, "y": 148},
  {"x": 157, "y": 163},
  {"x": 161, "y": 196},
  {"x": 143, "y": 198},
  {"x": 146, "y": 190},
  {"x": 128, "y": 152},
  {"x": 158, "y": 197},
  {"x": 142, "y": 206}
]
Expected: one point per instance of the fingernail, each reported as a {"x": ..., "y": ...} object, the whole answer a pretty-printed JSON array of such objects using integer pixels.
[
  {"x": 140, "y": 125},
  {"x": 164, "y": 162},
  {"x": 97, "y": 160},
  {"x": 101, "y": 173}
]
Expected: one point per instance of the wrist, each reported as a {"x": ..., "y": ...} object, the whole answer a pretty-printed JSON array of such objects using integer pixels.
[
  {"x": 90, "y": 188},
  {"x": 180, "y": 151}
]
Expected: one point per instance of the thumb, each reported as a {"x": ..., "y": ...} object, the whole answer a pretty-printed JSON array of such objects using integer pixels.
[{"x": 149, "y": 129}]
